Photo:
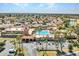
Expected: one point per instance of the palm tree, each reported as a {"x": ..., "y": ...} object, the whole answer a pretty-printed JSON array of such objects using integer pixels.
[
  {"x": 46, "y": 41},
  {"x": 20, "y": 45},
  {"x": 57, "y": 42},
  {"x": 56, "y": 37},
  {"x": 61, "y": 41}
]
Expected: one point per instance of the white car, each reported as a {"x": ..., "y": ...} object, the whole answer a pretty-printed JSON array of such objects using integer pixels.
[
  {"x": 12, "y": 50},
  {"x": 70, "y": 54}
]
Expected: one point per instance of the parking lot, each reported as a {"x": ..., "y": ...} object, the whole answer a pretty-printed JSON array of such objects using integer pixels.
[{"x": 7, "y": 46}]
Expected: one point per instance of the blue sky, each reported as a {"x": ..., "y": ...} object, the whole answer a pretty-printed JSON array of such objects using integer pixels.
[{"x": 39, "y": 8}]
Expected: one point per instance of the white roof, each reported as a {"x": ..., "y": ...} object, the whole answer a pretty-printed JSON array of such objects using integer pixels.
[
  {"x": 30, "y": 31},
  {"x": 41, "y": 36},
  {"x": 14, "y": 29}
]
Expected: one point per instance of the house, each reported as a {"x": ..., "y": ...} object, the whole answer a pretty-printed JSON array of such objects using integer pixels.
[
  {"x": 72, "y": 22},
  {"x": 12, "y": 32}
]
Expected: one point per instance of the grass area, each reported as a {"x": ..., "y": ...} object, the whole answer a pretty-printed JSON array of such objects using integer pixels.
[
  {"x": 49, "y": 53},
  {"x": 53, "y": 53},
  {"x": 2, "y": 39},
  {"x": 22, "y": 50},
  {"x": 74, "y": 49}
]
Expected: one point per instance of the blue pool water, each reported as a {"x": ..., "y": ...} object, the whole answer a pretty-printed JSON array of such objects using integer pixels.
[{"x": 43, "y": 32}]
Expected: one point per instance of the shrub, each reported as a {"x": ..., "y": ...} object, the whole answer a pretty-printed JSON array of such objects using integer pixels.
[
  {"x": 2, "y": 43},
  {"x": 63, "y": 52},
  {"x": 58, "y": 53},
  {"x": 1, "y": 48},
  {"x": 70, "y": 48}
]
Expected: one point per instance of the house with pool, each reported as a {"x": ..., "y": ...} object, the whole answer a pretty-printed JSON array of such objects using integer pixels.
[{"x": 35, "y": 35}]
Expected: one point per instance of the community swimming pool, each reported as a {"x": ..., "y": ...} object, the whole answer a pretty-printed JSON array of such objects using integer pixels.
[{"x": 43, "y": 32}]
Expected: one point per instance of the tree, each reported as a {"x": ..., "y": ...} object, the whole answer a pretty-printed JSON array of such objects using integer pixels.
[
  {"x": 70, "y": 47},
  {"x": 61, "y": 41},
  {"x": 20, "y": 47},
  {"x": 77, "y": 32},
  {"x": 3, "y": 21},
  {"x": 46, "y": 41},
  {"x": 58, "y": 52},
  {"x": 9, "y": 15},
  {"x": 66, "y": 22}
]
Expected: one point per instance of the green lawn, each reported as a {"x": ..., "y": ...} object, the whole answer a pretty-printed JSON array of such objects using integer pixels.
[{"x": 2, "y": 39}]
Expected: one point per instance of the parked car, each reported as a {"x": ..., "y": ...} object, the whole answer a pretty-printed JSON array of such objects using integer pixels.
[
  {"x": 70, "y": 54},
  {"x": 77, "y": 53},
  {"x": 12, "y": 51}
]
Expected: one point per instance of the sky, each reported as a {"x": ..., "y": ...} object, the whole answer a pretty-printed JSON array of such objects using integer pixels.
[{"x": 71, "y": 8}]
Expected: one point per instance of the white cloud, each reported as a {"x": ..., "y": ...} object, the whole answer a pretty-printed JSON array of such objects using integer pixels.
[
  {"x": 50, "y": 5},
  {"x": 47, "y": 5},
  {"x": 41, "y": 5},
  {"x": 21, "y": 5}
]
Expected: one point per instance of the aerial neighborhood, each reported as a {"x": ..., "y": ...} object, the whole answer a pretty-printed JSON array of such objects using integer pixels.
[{"x": 46, "y": 30}]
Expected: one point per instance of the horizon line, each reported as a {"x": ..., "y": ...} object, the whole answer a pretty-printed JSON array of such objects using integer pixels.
[{"x": 38, "y": 13}]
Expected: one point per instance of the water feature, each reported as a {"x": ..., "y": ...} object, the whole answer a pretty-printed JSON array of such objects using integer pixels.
[{"x": 43, "y": 32}]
